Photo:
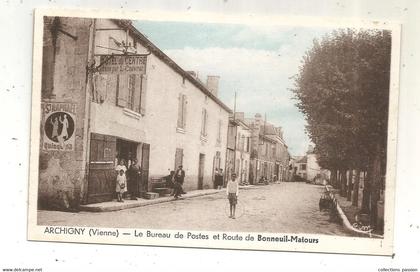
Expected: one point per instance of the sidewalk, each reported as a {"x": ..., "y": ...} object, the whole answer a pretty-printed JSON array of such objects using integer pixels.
[
  {"x": 348, "y": 214},
  {"x": 128, "y": 204}
]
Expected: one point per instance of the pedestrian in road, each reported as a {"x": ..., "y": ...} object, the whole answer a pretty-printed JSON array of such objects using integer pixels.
[
  {"x": 232, "y": 191},
  {"x": 219, "y": 179},
  {"x": 179, "y": 178},
  {"x": 133, "y": 175},
  {"x": 121, "y": 184}
]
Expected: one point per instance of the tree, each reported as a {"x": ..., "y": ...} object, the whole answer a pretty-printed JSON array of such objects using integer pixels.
[{"x": 343, "y": 90}]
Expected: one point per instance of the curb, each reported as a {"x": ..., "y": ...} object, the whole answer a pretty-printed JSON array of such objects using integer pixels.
[
  {"x": 127, "y": 205},
  {"x": 87, "y": 208},
  {"x": 346, "y": 221}
]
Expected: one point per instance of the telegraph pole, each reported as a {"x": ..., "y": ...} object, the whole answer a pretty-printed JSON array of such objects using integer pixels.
[{"x": 236, "y": 135}]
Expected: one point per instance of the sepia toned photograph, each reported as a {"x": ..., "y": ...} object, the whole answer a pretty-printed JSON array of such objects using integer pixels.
[{"x": 259, "y": 134}]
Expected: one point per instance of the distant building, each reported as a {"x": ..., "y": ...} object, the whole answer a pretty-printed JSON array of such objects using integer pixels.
[
  {"x": 269, "y": 155},
  {"x": 238, "y": 148},
  {"x": 307, "y": 167},
  {"x": 300, "y": 166}
]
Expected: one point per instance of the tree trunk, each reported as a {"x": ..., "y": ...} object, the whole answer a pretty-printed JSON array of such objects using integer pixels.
[
  {"x": 375, "y": 188},
  {"x": 355, "y": 199},
  {"x": 366, "y": 193},
  {"x": 333, "y": 180},
  {"x": 339, "y": 178},
  {"x": 343, "y": 182},
  {"x": 350, "y": 185}
]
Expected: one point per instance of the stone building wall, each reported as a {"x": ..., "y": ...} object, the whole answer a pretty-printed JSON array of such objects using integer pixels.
[{"x": 62, "y": 172}]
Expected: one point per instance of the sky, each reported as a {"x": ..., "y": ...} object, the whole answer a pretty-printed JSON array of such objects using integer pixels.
[{"x": 256, "y": 62}]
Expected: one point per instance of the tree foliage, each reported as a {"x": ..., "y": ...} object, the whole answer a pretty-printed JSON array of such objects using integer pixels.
[{"x": 343, "y": 90}]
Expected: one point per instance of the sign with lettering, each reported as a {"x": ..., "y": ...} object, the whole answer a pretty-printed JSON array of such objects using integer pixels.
[
  {"x": 122, "y": 64},
  {"x": 58, "y": 126}
]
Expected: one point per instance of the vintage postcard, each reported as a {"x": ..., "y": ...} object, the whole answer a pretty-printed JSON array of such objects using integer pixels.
[{"x": 214, "y": 131}]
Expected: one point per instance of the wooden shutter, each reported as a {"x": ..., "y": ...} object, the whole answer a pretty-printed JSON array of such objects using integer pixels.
[
  {"x": 184, "y": 111},
  {"x": 179, "y": 122},
  {"x": 122, "y": 90},
  {"x": 202, "y": 121},
  {"x": 144, "y": 182},
  {"x": 137, "y": 93},
  {"x": 101, "y": 179},
  {"x": 205, "y": 122},
  {"x": 143, "y": 94},
  {"x": 219, "y": 131}
]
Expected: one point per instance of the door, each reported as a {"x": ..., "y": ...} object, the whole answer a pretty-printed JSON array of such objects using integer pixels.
[
  {"x": 144, "y": 180},
  {"x": 101, "y": 180},
  {"x": 179, "y": 154},
  {"x": 201, "y": 171}
]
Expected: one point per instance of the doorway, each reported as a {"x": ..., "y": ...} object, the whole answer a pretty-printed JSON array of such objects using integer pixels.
[
  {"x": 201, "y": 171},
  {"x": 127, "y": 151}
]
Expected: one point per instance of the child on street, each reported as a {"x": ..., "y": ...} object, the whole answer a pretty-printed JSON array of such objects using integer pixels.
[
  {"x": 121, "y": 186},
  {"x": 232, "y": 191}
]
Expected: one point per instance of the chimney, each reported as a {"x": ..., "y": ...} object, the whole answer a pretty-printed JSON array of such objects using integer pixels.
[{"x": 213, "y": 84}]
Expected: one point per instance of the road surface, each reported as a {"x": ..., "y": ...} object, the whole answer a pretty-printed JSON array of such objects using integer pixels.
[{"x": 278, "y": 208}]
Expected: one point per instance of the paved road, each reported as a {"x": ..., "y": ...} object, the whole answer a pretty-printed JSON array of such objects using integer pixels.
[{"x": 285, "y": 207}]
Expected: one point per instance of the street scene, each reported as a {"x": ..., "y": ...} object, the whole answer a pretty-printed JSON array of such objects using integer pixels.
[
  {"x": 260, "y": 208},
  {"x": 214, "y": 127}
]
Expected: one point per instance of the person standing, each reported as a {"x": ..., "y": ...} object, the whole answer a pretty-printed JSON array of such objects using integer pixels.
[
  {"x": 121, "y": 166},
  {"x": 170, "y": 181},
  {"x": 232, "y": 191},
  {"x": 133, "y": 179},
  {"x": 55, "y": 128},
  {"x": 219, "y": 179},
  {"x": 179, "y": 178},
  {"x": 121, "y": 184},
  {"x": 64, "y": 130}
]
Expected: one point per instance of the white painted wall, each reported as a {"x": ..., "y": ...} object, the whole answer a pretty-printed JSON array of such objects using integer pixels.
[{"x": 158, "y": 126}]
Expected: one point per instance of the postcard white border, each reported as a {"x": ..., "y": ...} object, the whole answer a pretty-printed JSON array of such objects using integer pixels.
[{"x": 327, "y": 243}]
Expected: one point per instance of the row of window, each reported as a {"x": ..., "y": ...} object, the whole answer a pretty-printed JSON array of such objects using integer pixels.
[{"x": 182, "y": 119}]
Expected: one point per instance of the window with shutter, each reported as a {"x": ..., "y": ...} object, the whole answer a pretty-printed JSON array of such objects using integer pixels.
[
  {"x": 180, "y": 104},
  {"x": 131, "y": 92},
  {"x": 184, "y": 111},
  {"x": 122, "y": 90},
  {"x": 204, "y": 123},
  {"x": 219, "y": 132},
  {"x": 137, "y": 93}
]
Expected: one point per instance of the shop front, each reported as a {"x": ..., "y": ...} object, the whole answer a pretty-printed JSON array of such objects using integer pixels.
[{"x": 106, "y": 152}]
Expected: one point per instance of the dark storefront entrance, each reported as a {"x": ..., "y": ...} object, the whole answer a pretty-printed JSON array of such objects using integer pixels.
[{"x": 105, "y": 153}]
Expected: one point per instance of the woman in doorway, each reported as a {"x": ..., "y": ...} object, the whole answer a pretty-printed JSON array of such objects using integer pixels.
[
  {"x": 121, "y": 166},
  {"x": 133, "y": 174}
]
